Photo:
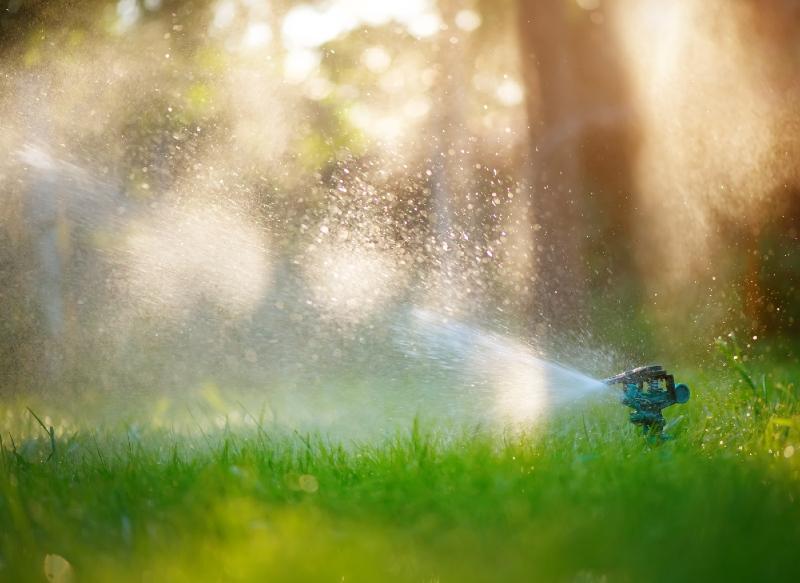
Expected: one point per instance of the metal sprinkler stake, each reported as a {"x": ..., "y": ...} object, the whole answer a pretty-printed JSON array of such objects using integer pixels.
[{"x": 648, "y": 390}]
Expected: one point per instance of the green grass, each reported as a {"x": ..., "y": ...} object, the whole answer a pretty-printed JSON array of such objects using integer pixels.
[{"x": 585, "y": 499}]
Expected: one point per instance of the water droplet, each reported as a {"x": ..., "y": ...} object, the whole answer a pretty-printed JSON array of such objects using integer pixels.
[
  {"x": 57, "y": 569},
  {"x": 308, "y": 483}
]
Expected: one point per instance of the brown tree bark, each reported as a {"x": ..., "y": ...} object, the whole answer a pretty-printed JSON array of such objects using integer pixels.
[
  {"x": 582, "y": 147},
  {"x": 548, "y": 71}
]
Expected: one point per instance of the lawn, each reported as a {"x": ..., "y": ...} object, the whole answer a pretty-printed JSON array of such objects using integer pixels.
[{"x": 585, "y": 498}]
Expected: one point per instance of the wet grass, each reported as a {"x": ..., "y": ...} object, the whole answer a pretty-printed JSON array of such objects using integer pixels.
[{"x": 586, "y": 499}]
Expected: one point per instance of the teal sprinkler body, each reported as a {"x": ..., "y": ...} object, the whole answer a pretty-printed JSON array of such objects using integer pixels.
[{"x": 648, "y": 390}]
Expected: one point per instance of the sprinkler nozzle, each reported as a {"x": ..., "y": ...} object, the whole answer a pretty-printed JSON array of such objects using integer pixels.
[{"x": 648, "y": 390}]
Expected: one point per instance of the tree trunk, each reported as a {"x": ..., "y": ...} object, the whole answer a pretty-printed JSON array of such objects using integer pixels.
[
  {"x": 547, "y": 63},
  {"x": 581, "y": 153}
]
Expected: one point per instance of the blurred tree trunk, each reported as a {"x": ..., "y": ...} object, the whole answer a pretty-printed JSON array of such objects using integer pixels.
[
  {"x": 450, "y": 170},
  {"x": 581, "y": 153},
  {"x": 555, "y": 170}
]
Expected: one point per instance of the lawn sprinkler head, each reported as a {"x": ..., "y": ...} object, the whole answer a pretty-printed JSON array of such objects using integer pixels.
[{"x": 648, "y": 390}]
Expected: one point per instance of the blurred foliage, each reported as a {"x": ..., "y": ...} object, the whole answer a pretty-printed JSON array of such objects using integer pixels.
[{"x": 496, "y": 147}]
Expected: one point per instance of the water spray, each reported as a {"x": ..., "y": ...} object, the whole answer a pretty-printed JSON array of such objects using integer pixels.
[{"x": 648, "y": 390}]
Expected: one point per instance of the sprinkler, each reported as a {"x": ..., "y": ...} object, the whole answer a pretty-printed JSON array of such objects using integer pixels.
[{"x": 648, "y": 390}]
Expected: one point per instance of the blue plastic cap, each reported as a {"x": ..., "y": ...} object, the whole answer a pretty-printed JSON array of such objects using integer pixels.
[{"x": 681, "y": 393}]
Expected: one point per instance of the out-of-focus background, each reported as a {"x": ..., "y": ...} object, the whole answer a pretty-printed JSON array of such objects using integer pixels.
[{"x": 254, "y": 192}]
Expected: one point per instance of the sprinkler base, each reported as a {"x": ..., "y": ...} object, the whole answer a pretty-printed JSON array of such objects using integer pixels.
[{"x": 648, "y": 390}]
